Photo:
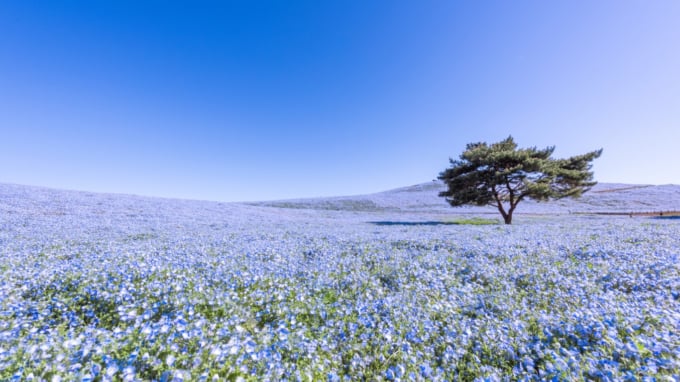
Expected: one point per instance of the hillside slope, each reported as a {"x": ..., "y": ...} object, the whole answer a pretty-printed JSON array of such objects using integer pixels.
[
  {"x": 35, "y": 202},
  {"x": 603, "y": 198}
]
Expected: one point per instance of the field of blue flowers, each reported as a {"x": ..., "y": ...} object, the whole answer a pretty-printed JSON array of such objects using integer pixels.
[{"x": 123, "y": 288}]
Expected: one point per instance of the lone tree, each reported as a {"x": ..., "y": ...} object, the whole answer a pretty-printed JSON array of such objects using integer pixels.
[{"x": 502, "y": 175}]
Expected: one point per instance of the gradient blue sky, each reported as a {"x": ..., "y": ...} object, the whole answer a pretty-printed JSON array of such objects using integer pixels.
[{"x": 254, "y": 100}]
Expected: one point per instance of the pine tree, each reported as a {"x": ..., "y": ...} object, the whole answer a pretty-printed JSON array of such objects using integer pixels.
[{"x": 501, "y": 175}]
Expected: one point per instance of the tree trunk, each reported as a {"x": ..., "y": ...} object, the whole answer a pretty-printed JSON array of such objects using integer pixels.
[{"x": 507, "y": 216}]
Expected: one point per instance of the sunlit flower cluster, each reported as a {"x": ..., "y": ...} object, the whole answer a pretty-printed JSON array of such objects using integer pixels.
[{"x": 109, "y": 288}]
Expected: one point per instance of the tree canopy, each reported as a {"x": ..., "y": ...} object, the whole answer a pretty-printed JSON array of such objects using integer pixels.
[{"x": 502, "y": 175}]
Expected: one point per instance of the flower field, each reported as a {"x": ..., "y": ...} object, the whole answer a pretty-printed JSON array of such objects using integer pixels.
[{"x": 122, "y": 288}]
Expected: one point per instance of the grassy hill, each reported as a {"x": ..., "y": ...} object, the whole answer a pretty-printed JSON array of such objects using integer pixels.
[{"x": 603, "y": 198}]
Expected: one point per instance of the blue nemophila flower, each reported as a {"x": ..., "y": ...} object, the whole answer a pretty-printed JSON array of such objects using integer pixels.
[
  {"x": 394, "y": 373},
  {"x": 293, "y": 294}
]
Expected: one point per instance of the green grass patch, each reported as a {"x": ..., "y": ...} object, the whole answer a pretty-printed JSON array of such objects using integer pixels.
[{"x": 472, "y": 221}]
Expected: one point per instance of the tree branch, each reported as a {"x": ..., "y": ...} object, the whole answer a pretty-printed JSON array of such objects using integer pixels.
[
  {"x": 512, "y": 194},
  {"x": 499, "y": 203}
]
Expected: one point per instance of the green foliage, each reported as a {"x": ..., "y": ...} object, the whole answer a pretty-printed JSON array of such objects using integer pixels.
[
  {"x": 503, "y": 175},
  {"x": 472, "y": 221}
]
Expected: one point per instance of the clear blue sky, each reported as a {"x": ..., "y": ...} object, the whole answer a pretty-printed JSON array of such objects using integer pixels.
[{"x": 254, "y": 100}]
